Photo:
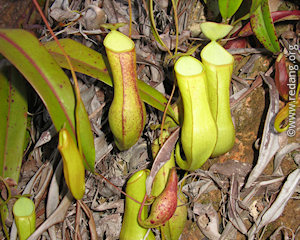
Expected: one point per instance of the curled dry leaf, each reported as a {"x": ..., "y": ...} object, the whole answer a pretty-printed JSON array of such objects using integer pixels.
[
  {"x": 93, "y": 17},
  {"x": 53, "y": 196},
  {"x": 61, "y": 12},
  {"x": 231, "y": 167},
  {"x": 278, "y": 205},
  {"x": 269, "y": 144},
  {"x": 162, "y": 157},
  {"x": 109, "y": 226},
  {"x": 281, "y": 154},
  {"x": 233, "y": 213},
  {"x": 46, "y": 136},
  {"x": 230, "y": 229},
  {"x": 208, "y": 220}
]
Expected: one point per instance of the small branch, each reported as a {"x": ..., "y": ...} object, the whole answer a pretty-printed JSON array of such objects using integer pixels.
[{"x": 247, "y": 50}]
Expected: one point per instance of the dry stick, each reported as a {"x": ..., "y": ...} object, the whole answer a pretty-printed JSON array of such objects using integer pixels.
[
  {"x": 117, "y": 188},
  {"x": 130, "y": 18},
  {"x": 247, "y": 50},
  {"x": 77, "y": 221},
  {"x": 161, "y": 42},
  {"x": 58, "y": 43},
  {"x": 92, "y": 224},
  {"x": 77, "y": 92},
  {"x": 174, "y": 85},
  {"x": 256, "y": 83},
  {"x": 145, "y": 6},
  {"x": 176, "y": 24},
  {"x": 184, "y": 9},
  {"x": 165, "y": 113}
]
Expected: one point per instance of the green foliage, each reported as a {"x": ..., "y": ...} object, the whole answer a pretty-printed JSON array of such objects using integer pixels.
[
  {"x": 92, "y": 63},
  {"x": 228, "y": 7},
  {"x": 43, "y": 71},
  {"x": 41, "y": 65},
  {"x": 255, "y": 4},
  {"x": 260, "y": 17},
  {"x": 263, "y": 27},
  {"x": 24, "y": 51},
  {"x": 13, "y": 122}
]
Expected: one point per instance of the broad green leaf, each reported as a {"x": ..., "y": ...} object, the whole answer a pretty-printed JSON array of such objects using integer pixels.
[
  {"x": 86, "y": 137},
  {"x": 13, "y": 122},
  {"x": 229, "y": 7},
  {"x": 24, "y": 51},
  {"x": 91, "y": 63},
  {"x": 246, "y": 9},
  {"x": 83, "y": 59},
  {"x": 263, "y": 27}
]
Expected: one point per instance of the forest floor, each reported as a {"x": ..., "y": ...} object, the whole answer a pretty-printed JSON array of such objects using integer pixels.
[{"x": 250, "y": 98}]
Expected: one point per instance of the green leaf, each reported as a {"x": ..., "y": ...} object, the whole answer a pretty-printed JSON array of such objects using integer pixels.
[
  {"x": 229, "y": 7},
  {"x": 91, "y": 63},
  {"x": 83, "y": 59},
  {"x": 24, "y": 51},
  {"x": 263, "y": 27},
  {"x": 255, "y": 4},
  {"x": 154, "y": 98},
  {"x": 13, "y": 122}
]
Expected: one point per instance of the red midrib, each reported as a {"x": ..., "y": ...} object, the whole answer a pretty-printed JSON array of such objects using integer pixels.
[{"x": 19, "y": 48}]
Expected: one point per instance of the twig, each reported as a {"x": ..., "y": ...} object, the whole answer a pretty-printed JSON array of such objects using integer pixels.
[{"x": 247, "y": 50}]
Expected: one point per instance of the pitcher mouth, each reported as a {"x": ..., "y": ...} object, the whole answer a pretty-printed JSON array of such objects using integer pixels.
[
  {"x": 188, "y": 66},
  {"x": 118, "y": 42},
  {"x": 215, "y": 54}
]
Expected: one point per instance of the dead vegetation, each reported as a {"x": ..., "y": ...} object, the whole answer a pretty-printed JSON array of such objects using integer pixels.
[{"x": 251, "y": 192}]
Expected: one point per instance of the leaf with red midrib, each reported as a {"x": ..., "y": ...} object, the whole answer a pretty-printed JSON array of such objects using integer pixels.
[{"x": 26, "y": 53}]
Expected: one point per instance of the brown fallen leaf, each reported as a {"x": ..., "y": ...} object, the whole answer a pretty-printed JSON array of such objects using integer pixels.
[{"x": 162, "y": 157}]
